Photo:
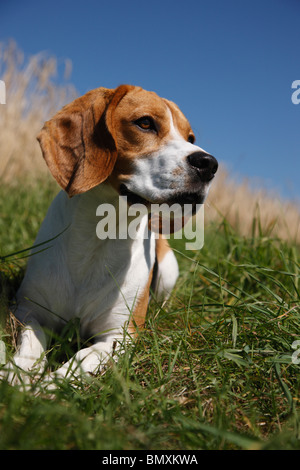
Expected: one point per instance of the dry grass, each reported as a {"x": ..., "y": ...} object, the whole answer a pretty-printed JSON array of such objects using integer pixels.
[
  {"x": 33, "y": 96},
  {"x": 250, "y": 211}
]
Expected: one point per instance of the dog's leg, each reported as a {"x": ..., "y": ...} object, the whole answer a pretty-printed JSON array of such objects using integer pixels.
[
  {"x": 27, "y": 361},
  {"x": 166, "y": 272},
  {"x": 86, "y": 361}
]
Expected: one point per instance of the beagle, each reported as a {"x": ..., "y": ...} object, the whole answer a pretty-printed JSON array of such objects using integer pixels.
[{"x": 109, "y": 142}]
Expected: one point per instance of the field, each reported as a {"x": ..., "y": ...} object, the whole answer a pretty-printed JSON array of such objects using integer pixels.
[{"x": 212, "y": 370}]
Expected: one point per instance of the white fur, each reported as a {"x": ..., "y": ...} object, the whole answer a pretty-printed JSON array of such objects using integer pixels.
[{"x": 167, "y": 274}]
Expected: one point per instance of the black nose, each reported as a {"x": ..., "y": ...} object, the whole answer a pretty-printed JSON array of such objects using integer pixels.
[{"x": 205, "y": 164}]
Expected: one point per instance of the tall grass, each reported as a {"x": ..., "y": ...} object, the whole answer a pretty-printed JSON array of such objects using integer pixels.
[
  {"x": 32, "y": 96},
  {"x": 213, "y": 368},
  {"x": 249, "y": 209}
]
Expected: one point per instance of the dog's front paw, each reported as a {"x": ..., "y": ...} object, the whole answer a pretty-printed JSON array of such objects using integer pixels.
[{"x": 21, "y": 371}]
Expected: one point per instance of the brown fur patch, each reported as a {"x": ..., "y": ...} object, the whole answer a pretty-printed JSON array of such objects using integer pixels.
[
  {"x": 138, "y": 316},
  {"x": 162, "y": 248}
]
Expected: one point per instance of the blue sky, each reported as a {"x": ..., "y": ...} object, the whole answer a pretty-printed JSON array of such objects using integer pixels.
[{"x": 229, "y": 65}]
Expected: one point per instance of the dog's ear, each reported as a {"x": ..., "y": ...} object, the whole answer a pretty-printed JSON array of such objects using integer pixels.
[{"x": 78, "y": 142}]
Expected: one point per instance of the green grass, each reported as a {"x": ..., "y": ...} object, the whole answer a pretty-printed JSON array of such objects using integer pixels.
[{"x": 211, "y": 370}]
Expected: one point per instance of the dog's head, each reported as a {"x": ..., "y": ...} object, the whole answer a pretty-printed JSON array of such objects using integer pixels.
[{"x": 131, "y": 138}]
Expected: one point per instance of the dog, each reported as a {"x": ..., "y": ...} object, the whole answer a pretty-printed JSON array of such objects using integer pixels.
[{"x": 106, "y": 144}]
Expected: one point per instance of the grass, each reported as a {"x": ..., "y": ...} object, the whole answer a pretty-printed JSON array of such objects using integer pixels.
[
  {"x": 33, "y": 95},
  {"x": 211, "y": 370}
]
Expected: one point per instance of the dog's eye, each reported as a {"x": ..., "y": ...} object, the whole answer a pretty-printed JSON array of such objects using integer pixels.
[
  {"x": 146, "y": 123},
  {"x": 191, "y": 138}
]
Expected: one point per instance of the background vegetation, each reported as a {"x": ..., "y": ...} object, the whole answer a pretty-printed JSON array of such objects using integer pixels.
[{"x": 213, "y": 368}]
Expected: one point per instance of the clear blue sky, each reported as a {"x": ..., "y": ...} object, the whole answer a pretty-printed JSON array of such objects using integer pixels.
[{"x": 229, "y": 65}]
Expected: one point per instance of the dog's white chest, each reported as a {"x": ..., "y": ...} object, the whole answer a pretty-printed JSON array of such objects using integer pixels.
[{"x": 110, "y": 296}]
